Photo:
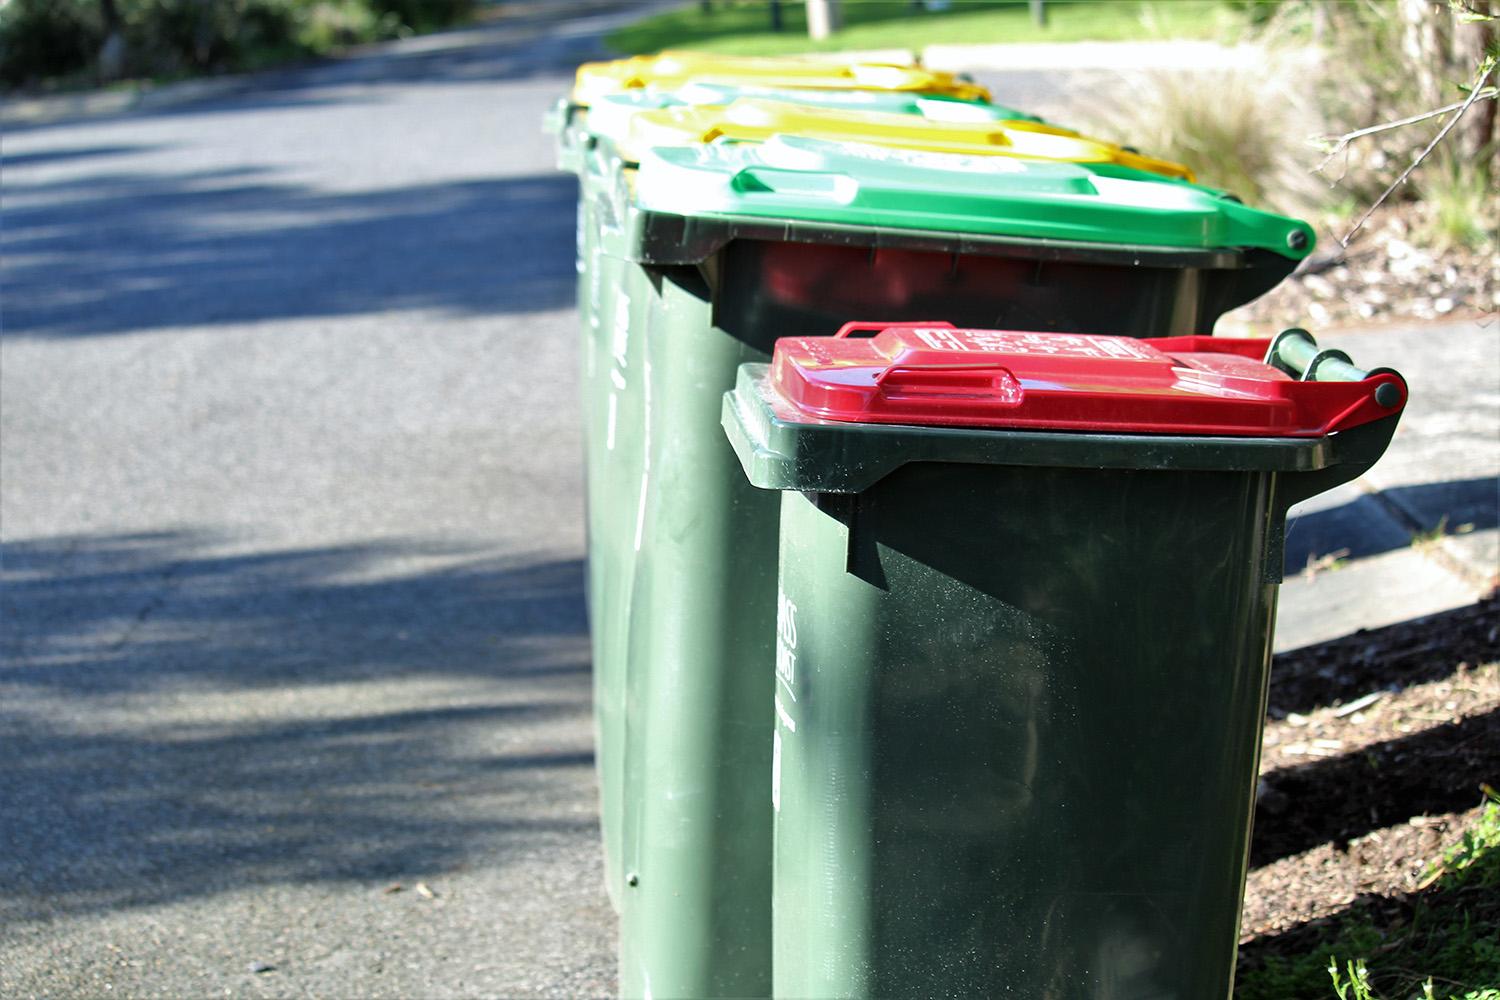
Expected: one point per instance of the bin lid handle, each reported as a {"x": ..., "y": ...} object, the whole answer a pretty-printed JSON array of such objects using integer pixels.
[
  {"x": 857, "y": 327},
  {"x": 996, "y": 382}
]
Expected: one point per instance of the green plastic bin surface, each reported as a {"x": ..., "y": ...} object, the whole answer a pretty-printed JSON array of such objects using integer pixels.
[
  {"x": 610, "y": 116},
  {"x": 1020, "y": 673},
  {"x": 574, "y": 126},
  {"x": 682, "y": 568},
  {"x": 938, "y": 107}
]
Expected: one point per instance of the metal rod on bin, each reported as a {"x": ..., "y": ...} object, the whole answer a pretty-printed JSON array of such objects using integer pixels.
[{"x": 1295, "y": 352}]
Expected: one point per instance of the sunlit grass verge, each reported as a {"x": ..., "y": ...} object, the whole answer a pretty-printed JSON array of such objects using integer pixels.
[
  {"x": 740, "y": 28},
  {"x": 1440, "y": 943}
]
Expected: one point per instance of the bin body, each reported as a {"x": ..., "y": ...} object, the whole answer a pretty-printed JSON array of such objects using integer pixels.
[
  {"x": 682, "y": 548},
  {"x": 969, "y": 804},
  {"x": 1020, "y": 673},
  {"x": 612, "y": 362}
]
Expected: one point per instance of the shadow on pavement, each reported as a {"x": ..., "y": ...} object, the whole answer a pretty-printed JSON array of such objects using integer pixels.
[
  {"x": 9, "y": 161},
  {"x": 176, "y": 723},
  {"x": 113, "y": 254},
  {"x": 1372, "y": 524},
  {"x": 136, "y": 613}
]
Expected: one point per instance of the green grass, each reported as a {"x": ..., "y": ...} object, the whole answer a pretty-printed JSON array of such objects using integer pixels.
[
  {"x": 1462, "y": 206},
  {"x": 737, "y": 27},
  {"x": 1441, "y": 945}
]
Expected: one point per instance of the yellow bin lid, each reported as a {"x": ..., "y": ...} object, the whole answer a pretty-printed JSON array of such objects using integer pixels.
[
  {"x": 668, "y": 70},
  {"x": 755, "y": 120}
]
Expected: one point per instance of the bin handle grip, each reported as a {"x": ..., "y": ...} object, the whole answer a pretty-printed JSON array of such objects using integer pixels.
[
  {"x": 1295, "y": 352},
  {"x": 866, "y": 327},
  {"x": 917, "y": 377}
]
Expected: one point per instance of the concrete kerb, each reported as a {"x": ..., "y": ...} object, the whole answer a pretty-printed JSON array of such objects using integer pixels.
[{"x": 1429, "y": 489}]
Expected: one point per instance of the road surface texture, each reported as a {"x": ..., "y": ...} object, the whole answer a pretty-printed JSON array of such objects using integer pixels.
[
  {"x": 295, "y": 682},
  {"x": 293, "y": 609}
]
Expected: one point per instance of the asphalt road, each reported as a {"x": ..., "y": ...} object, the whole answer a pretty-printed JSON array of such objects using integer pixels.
[
  {"x": 293, "y": 674},
  {"x": 291, "y": 504}
]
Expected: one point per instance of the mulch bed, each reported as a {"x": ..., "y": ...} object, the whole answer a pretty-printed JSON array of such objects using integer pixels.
[{"x": 1376, "y": 752}]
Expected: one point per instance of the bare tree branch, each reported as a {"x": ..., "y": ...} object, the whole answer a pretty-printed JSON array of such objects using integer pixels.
[
  {"x": 1485, "y": 70},
  {"x": 1340, "y": 142},
  {"x": 1466, "y": 12}
]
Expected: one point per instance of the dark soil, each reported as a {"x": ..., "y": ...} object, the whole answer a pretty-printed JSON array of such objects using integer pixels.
[{"x": 1358, "y": 796}]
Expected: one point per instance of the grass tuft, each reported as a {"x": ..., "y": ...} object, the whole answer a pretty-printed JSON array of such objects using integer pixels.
[
  {"x": 1462, "y": 208},
  {"x": 1437, "y": 944}
]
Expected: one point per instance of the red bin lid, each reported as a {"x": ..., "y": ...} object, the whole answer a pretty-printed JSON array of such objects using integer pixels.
[{"x": 931, "y": 374}]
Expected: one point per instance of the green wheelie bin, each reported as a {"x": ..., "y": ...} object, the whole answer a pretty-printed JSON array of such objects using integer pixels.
[
  {"x": 603, "y": 150},
  {"x": 722, "y": 250},
  {"x": 1024, "y": 616},
  {"x": 589, "y": 126}
]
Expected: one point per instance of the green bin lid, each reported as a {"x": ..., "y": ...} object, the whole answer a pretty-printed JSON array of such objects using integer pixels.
[
  {"x": 610, "y": 116},
  {"x": 807, "y": 180},
  {"x": 938, "y": 107},
  {"x": 667, "y": 70}
]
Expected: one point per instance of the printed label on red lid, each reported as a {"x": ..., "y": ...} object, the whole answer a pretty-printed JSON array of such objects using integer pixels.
[{"x": 1072, "y": 345}]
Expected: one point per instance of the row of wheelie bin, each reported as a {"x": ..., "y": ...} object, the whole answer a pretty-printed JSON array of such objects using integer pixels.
[{"x": 933, "y": 541}]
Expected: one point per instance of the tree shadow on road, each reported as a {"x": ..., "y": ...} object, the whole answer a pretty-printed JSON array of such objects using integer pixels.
[
  {"x": 178, "y": 723},
  {"x": 119, "y": 253}
]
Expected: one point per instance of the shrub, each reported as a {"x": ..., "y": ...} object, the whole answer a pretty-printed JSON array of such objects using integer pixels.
[
  {"x": 52, "y": 40},
  {"x": 44, "y": 38},
  {"x": 1249, "y": 130}
]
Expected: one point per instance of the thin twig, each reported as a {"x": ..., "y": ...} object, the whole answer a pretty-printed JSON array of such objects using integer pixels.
[
  {"x": 1484, "y": 74},
  {"x": 1342, "y": 141},
  {"x": 1467, "y": 13}
]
